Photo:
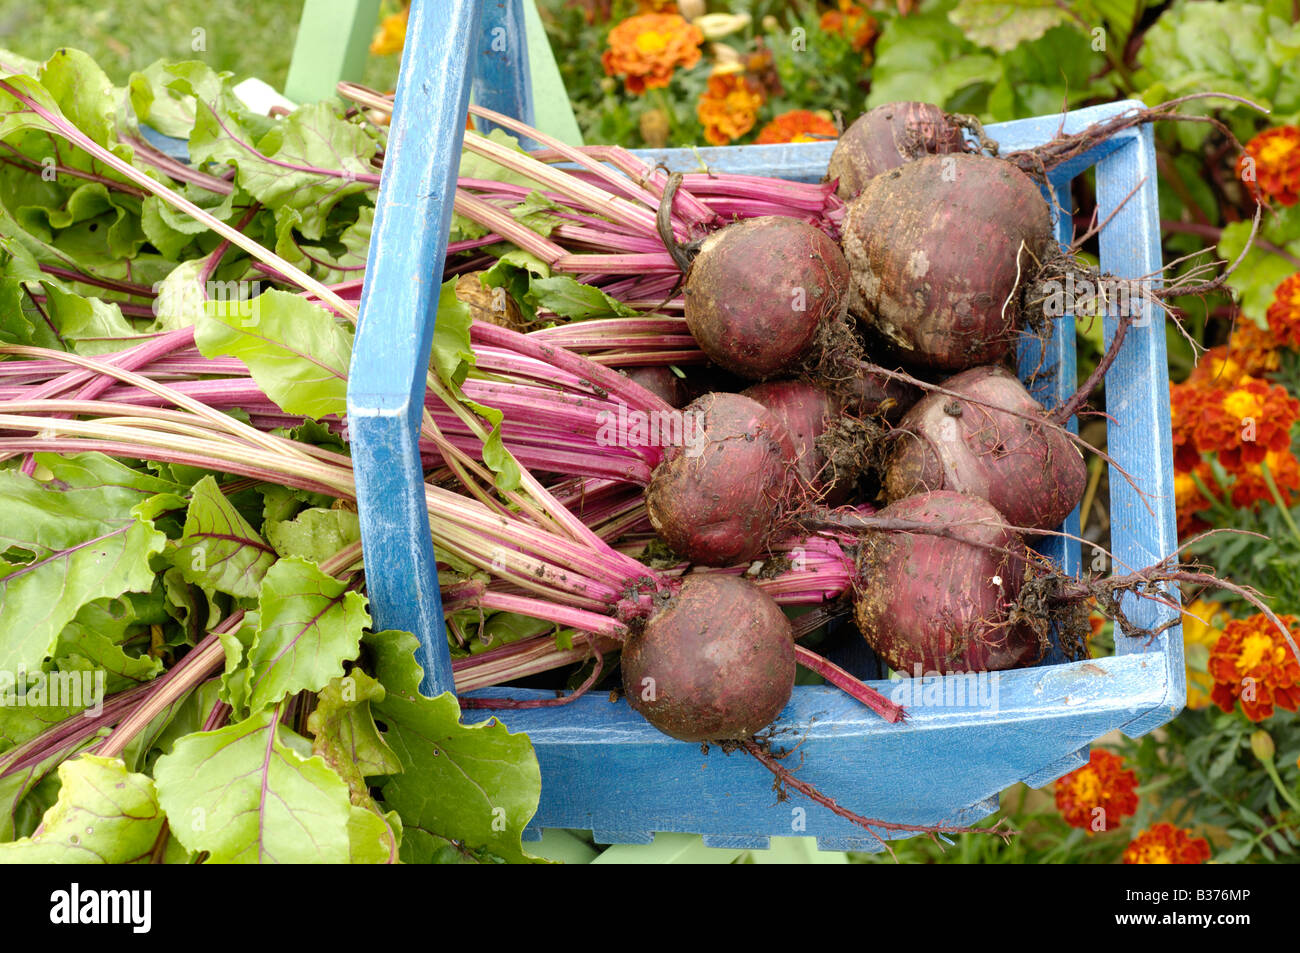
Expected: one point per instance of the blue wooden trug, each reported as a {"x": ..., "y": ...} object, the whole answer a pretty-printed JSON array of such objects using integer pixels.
[{"x": 603, "y": 767}]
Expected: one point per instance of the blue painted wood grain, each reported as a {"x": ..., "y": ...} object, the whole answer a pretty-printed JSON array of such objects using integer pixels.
[
  {"x": 603, "y": 767},
  {"x": 399, "y": 304}
]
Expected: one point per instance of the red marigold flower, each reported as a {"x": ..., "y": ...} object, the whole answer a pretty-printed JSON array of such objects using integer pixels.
[
  {"x": 645, "y": 50},
  {"x": 1271, "y": 166},
  {"x": 797, "y": 125},
  {"x": 1284, "y": 312},
  {"x": 1166, "y": 844},
  {"x": 729, "y": 107},
  {"x": 1102, "y": 785},
  {"x": 1253, "y": 663},
  {"x": 1250, "y": 488}
]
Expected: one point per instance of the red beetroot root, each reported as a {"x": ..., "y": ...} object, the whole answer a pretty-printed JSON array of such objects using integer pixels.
[
  {"x": 716, "y": 500},
  {"x": 940, "y": 249},
  {"x": 805, "y": 411},
  {"x": 758, "y": 290},
  {"x": 716, "y": 663},
  {"x": 942, "y": 602},
  {"x": 660, "y": 381},
  {"x": 887, "y": 137},
  {"x": 1029, "y": 470}
]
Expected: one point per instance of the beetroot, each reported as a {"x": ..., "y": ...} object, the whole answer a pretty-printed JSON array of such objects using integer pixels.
[
  {"x": 885, "y": 138},
  {"x": 660, "y": 381},
  {"x": 939, "y": 250},
  {"x": 804, "y": 412},
  {"x": 716, "y": 500},
  {"x": 1029, "y": 470},
  {"x": 758, "y": 290},
  {"x": 715, "y": 663},
  {"x": 939, "y": 602}
]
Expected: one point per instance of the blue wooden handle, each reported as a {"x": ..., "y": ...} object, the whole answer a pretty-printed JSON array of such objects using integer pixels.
[{"x": 399, "y": 305}]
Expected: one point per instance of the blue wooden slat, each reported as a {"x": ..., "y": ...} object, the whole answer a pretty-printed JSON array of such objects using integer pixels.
[
  {"x": 501, "y": 76},
  {"x": 398, "y": 308}
]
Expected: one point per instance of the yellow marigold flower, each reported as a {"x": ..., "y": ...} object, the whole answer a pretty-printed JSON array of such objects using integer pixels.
[
  {"x": 729, "y": 107},
  {"x": 1253, "y": 663},
  {"x": 797, "y": 125},
  {"x": 1166, "y": 844},
  {"x": 1202, "y": 620},
  {"x": 391, "y": 34},
  {"x": 1284, "y": 312},
  {"x": 1098, "y": 795},
  {"x": 645, "y": 50},
  {"x": 1271, "y": 166}
]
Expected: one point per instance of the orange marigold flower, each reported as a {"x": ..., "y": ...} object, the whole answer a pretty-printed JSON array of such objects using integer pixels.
[
  {"x": 1271, "y": 166},
  {"x": 1166, "y": 844},
  {"x": 1284, "y": 312},
  {"x": 391, "y": 34},
  {"x": 729, "y": 107},
  {"x": 1252, "y": 352},
  {"x": 1097, "y": 795},
  {"x": 797, "y": 125},
  {"x": 645, "y": 50},
  {"x": 853, "y": 22},
  {"x": 1250, "y": 488},
  {"x": 1243, "y": 422},
  {"x": 1253, "y": 663}
]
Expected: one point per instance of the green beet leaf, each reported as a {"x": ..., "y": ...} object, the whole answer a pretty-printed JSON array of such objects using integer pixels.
[
  {"x": 296, "y": 351},
  {"x": 469, "y": 787},
  {"x": 244, "y": 795},
  {"x": 345, "y": 733},
  {"x": 104, "y": 815},
  {"x": 315, "y": 533},
  {"x": 310, "y": 625},
  {"x": 219, "y": 549},
  {"x": 1004, "y": 24},
  {"x": 68, "y": 546}
]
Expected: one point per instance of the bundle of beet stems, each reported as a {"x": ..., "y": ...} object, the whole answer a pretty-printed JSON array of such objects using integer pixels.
[{"x": 712, "y": 642}]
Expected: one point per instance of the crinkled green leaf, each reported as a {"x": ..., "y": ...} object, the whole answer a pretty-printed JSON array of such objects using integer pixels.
[
  {"x": 220, "y": 550},
  {"x": 345, "y": 733},
  {"x": 295, "y": 350},
  {"x": 310, "y": 625},
  {"x": 93, "y": 641},
  {"x": 925, "y": 57},
  {"x": 311, "y": 137},
  {"x": 1004, "y": 24},
  {"x": 104, "y": 815},
  {"x": 86, "y": 325},
  {"x": 374, "y": 838},
  {"x": 83, "y": 91},
  {"x": 475, "y": 785},
  {"x": 21, "y": 790},
  {"x": 1259, "y": 274},
  {"x": 1233, "y": 48},
  {"x": 233, "y": 684},
  {"x": 244, "y": 795},
  {"x": 315, "y": 533},
  {"x": 82, "y": 543}
]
